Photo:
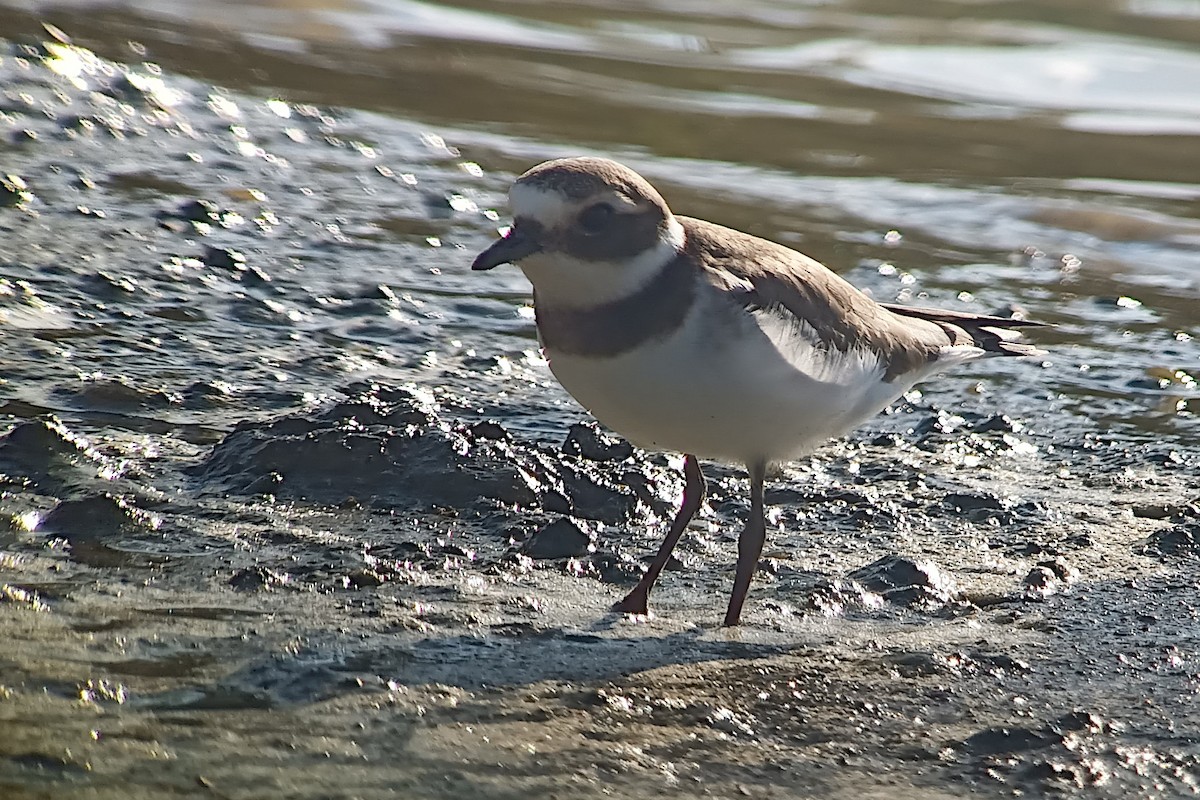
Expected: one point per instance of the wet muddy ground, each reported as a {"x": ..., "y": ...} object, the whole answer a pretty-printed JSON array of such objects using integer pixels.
[{"x": 294, "y": 509}]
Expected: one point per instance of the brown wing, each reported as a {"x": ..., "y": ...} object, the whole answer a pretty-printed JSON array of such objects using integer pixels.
[{"x": 768, "y": 276}]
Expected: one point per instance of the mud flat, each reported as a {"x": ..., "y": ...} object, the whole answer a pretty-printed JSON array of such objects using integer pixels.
[{"x": 292, "y": 509}]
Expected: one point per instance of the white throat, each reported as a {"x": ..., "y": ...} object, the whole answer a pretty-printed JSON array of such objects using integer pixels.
[{"x": 562, "y": 280}]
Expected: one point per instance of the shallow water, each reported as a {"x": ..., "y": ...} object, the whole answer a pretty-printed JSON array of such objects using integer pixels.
[{"x": 234, "y": 250}]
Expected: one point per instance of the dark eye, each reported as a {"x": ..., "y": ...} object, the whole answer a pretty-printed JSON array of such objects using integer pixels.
[{"x": 595, "y": 218}]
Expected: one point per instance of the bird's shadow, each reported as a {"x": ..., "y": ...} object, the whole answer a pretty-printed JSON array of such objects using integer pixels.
[
  {"x": 520, "y": 654},
  {"x": 505, "y": 656}
]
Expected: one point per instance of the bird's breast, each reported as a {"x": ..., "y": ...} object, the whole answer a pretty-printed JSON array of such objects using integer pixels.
[{"x": 715, "y": 385}]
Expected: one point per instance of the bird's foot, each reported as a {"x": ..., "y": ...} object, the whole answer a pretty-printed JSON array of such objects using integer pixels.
[{"x": 636, "y": 602}]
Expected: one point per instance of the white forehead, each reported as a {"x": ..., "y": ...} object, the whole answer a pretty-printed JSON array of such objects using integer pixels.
[{"x": 543, "y": 204}]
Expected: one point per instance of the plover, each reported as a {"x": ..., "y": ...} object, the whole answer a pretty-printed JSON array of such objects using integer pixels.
[{"x": 686, "y": 336}]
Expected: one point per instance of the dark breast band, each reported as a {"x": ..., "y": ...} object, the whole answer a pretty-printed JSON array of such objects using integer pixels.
[{"x": 614, "y": 328}]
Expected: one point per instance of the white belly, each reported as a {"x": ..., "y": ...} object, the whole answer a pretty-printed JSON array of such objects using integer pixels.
[{"x": 731, "y": 391}]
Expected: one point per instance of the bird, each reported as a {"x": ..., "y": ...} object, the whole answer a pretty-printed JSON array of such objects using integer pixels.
[{"x": 683, "y": 335}]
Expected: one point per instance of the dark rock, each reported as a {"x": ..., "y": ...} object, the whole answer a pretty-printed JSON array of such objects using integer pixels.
[
  {"x": 14, "y": 192},
  {"x": 1078, "y": 720},
  {"x": 1002, "y": 741},
  {"x": 43, "y": 438},
  {"x": 888, "y": 440},
  {"x": 1170, "y": 458},
  {"x": 617, "y": 568},
  {"x": 955, "y": 663},
  {"x": 89, "y": 524},
  {"x": 48, "y": 764},
  {"x": 787, "y": 496},
  {"x": 556, "y": 502},
  {"x": 178, "y": 313},
  {"x": 971, "y": 503},
  {"x": 1061, "y": 570},
  {"x": 95, "y": 517},
  {"x": 364, "y": 411},
  {"x": 1181, "y": 540},
  {"x": 644, "y": 490},
  {"x": 1049, "y": 577},
  {"x": 834, "y": 598},
  {"x": 268, "y": 483},
  {"x": 206, "y": 394},
  {"x": 257, "y": 579},
  {"x": 1080, "y": 541},
  {"x": 496, "y": 363},
  {"x": 918, "y": 664},
  {"x": 563, "y": 538},
  {"x": 363, "y": 578},
  {"x": 898, "y": 572},
  {"x": 255, "y": 276},
  {"x": 997, "y": 422},
  {"x": 1002, "y": 663},
  {"x": 222, "y": 258},
  {"x": 125, "y": 88},
  {"x": 110, "y": 394},
  {"x": 490, "y": 430},
  {"x": 375, "y": 407},
  {"x": 1040, "y": 582},
  {"x": 586, "y": 440},
  {"x": 908, "y": 583},
  {"x": 979, "y": 507},
  {"x": 53, "y": 457},
  {"x": 1178, "y": 511},
  {"x": 594, "y": 497},
  {"x": 193, "y": 211},
  {"x": 190, "y": 214},
  {"x": 457, "y": 550},
  {"x": 1024, "y": 549},
  {"x": 1054, "y": 773},
  {"x": 392, "y": 448},
  {"x": 875, "y": 516},
  {"x": 1153, "y": 384},
  {"x": 325, "y": 460}
]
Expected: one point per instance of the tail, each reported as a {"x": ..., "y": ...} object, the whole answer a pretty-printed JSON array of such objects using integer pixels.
[{"x": 993, "y": 335}]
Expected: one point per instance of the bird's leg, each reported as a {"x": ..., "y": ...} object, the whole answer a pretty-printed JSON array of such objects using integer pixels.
[
  {"x": 750, "y": 545},
  {"x": 637, "y": 601}
]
